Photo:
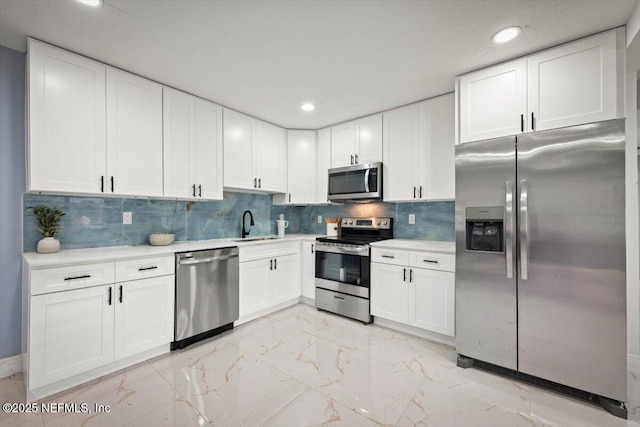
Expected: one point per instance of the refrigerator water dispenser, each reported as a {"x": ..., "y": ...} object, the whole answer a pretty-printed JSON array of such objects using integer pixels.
[{"x": 485, "y": 229}]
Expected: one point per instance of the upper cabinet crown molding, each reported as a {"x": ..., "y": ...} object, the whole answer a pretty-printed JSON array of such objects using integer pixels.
[
  {"x": 575, "y": 83},
  {"x": 357, "y": 142}
]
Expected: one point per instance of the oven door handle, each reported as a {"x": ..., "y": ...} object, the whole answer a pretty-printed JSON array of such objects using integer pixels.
[{"x": 347, "y": 250}]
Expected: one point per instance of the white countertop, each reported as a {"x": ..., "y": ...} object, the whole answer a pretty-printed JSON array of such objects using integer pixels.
[
  {"x": 114, "y": 253},
  {"x": 417, "y": 245}
]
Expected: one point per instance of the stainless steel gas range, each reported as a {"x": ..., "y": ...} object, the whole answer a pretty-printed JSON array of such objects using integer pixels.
[{"x": 343, "y": 266}]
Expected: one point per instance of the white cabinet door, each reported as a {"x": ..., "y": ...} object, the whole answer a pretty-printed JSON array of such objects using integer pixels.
[
  {"x": 493, "y": 101},
  {"x": 134, "y": 135},
  {"x": 285, "y": 278},
  {"x": 323, "y": 164},
  {"x": 70, "y": 333},
  {"x": 271, "y": 157},
  {"x": 301, "y": 166},
  {"x": 401, "y": 155},
  {"x": 143, "y": 315},
  {"x": 574, "y": 83},
  {"x": 308, "y": 270},
  {"x": 179, "y": 127},
  {"x": 437, "y": 149},
  {"x": 255, "y": 291},
  {"x": 67, "y": 119},
  {"x": 343, "y": 144},
  {"x": 239, "y": 136},
  {"x": 389, "y": 292},
  {"x": 369, "y": 134},
  {"x": 208, "y": 150},
  {"x": 432, "y": 300}
]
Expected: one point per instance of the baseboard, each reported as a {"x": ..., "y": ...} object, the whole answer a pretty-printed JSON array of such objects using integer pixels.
[
  {"x": 411, "y": 330},
  {"x": 266, "y": 311},
  {"x": 10, "y": 366},
  {"x": 633, "y": 363},
  {"x": 308, "y": 301}
]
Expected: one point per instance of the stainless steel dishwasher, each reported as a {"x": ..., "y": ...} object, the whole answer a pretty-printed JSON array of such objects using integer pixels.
[{"x": 207, "y": 294}]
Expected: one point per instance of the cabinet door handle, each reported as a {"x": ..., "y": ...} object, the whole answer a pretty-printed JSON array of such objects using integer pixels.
[
  {"x": 414, "y": 191},
  {"x": 194, "y": 190},
  {"x": 410, "y": 275},
  {"x": 404, "y": 274},
  {"x": 421, "y": 191},
  {"x": 312, "y": 248},
  {"x": 110, "y": 290},
  {"x": 102, "y": 184},
  {"x": 270, "y": 264},
  {"x": 255, "y": 182},
  {"x": 259, "y": 182},
  {"x": 200, "y": 190},
  {"x": 275, "y": 264},
  {"x": 289, "y": 197},
  {"x": 120, "y": 294},
  {"x": 148, "y": 268},
  {"x": 86, "y": 276},
  {"x": 388, "y": 256},
  {"x": 112, "y": 184},
  {"x": 521, "y": 122},
  {"x": 532, "y": 122},
  {"x": 352, "y": 159},
  {"x": 356, "y": 159}
]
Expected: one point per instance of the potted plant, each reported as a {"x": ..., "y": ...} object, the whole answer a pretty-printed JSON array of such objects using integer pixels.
[{"x": 48, "y": 222}]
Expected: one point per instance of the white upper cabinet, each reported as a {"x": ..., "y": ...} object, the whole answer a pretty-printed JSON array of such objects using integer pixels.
[
  {"x": 357, "y": 142},
  {"x": 192, "y": 147},
  {"x": 134, "y": 135},
  {"x": 270, "y": 161},
  {"x": 323, "y": 163},
  {"x": 255, "y": 154},
  {"x": 301, "y": 168},
  {"x": 419, "y": 151},
  {"x": 67, "y": 121},
  {"x": 576, "y": 83},
  {"x": 493, "y": 101}
]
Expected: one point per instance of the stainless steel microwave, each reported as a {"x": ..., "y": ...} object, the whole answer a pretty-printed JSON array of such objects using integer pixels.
[{"x": 357, "y": 182}]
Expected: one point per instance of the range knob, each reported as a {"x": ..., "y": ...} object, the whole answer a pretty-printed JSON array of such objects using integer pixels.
[
  {"x": 350, "y": 222},
  {"x": 344, "y": 221},
  {"x": 378, "y": 222},
  {"x": 384, "y": 223}
]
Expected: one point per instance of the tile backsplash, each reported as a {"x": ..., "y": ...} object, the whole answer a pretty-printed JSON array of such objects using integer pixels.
[{"x": 97, "y": 222}]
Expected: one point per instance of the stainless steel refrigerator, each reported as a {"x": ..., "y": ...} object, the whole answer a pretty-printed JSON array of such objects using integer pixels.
[{"x": 540, "y": 263}]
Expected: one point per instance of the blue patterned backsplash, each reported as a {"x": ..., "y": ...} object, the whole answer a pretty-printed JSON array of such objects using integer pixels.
[{"x": 97, "y": 222}]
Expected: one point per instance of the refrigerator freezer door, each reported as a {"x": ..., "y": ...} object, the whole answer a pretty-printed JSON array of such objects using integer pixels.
[
  {"x": 485, "y": 251},
  {"x": 571, "y": 286}
]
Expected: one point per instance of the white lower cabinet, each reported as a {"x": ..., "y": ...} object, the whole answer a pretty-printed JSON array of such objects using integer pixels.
[
  {"x": 416, "y": 296},
  {"x": 309, "y": 270},
  {"x": 269, "y": 277}
]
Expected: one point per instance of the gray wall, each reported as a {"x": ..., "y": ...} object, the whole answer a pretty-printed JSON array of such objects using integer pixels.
[{"x": 12, "y": 185}]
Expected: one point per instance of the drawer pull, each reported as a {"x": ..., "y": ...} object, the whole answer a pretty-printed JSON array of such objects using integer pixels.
[
  {"x": 337, "y": 297},
  {"x": 388, "y": 256},
  {"x": 148, "y": 268},
  {"x": 431, "y": 261},
  {"x": 86, "y": 276}
]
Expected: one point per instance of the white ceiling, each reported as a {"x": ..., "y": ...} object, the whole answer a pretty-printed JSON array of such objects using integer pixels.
[{"x": 349, "y": 57}]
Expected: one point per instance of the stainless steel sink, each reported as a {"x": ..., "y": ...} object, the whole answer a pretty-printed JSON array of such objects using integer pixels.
[{"x": 254, "y": 239}]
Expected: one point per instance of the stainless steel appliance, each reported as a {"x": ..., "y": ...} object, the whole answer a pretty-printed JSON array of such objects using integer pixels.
[
  {"x": 343, "y": 266},
  {"x": 207, "y": 294},
  {"x": 540, "y": 257},
  {"x": 356, "y": 182}
]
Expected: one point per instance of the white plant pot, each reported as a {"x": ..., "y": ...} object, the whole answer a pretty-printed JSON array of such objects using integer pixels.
[{"x": 48, "y": 245}]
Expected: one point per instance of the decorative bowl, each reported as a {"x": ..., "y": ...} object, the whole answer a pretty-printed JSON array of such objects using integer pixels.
[{"x": 161, "y": 239}]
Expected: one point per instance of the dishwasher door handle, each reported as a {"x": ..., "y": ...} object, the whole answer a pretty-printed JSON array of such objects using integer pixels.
[{"x": 202, "y": 261}]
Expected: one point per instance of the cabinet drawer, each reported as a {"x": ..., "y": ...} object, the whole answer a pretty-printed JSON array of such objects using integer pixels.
[
  {"x": 262, "y": 251},
  {"x": 433, "y": 261},
  {"x": 389, "y": 256},
  {"x": 146, "y": 267},
  {"x": 73, "y": 277}
]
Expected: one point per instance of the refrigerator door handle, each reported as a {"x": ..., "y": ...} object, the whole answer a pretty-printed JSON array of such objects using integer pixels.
[
  {"x": 508, "y": 232},
  {"x": 524, "y": 230}
]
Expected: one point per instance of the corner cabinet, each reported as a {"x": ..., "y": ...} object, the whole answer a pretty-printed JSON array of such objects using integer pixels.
[
  {"x": 301, "y": 169},
  {"x": 575, "y": 83},
  {"x": 415, "y": 288},
  {"x": 255, "y": 154},
  {"x": 419, "y": 151},
  {"x": 192, "y": 131},
  {"x": 357, "y": 142}
]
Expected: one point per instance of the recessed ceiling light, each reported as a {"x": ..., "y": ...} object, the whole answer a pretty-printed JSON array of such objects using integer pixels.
[
  {"x": 506, "y": 35},
  {"x": 307, "y": 106},
  {"x": 93, "y": 3}
]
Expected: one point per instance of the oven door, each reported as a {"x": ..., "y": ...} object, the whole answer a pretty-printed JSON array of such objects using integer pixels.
[
  {"x": 355, "y": 182},
  {"x": 343, "y": 269}
]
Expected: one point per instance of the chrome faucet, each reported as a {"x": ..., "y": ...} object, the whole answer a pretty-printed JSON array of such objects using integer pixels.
[{"x": 246, "y": 232}]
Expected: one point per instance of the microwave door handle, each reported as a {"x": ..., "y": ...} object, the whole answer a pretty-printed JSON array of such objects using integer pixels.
[{"x": 366, "y": 180}]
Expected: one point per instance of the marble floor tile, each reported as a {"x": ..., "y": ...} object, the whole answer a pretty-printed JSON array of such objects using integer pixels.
[
  {"x": 261, "y": 336},
  {"x": 12, "y": 391},
  {"x": 315, "y": 409}
]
